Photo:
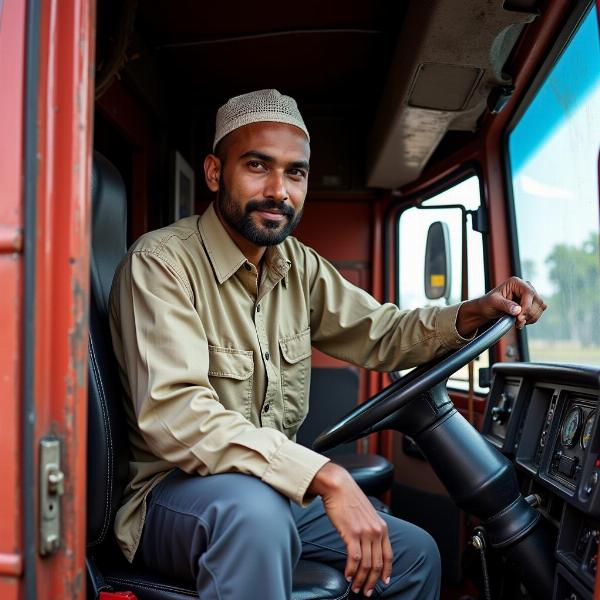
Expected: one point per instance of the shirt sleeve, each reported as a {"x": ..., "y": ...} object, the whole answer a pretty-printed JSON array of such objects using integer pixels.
[
  {"x": 349, "y": 324},
  {"x": 162, "y": 349}
]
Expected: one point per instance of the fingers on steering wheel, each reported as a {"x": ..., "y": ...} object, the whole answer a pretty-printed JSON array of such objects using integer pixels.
[
  {"x": 538, "y": 306},
  {"x": 527, "y": 295}
]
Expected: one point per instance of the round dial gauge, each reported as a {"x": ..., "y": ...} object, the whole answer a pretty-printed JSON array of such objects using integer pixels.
[
  {"x": 570, "y": 427},
  {"x": 586, "y": 433}
]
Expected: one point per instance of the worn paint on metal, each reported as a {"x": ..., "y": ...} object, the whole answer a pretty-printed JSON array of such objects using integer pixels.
[
  {"x": 64, "y": 149},
  {"x": 12, "y": 68}
]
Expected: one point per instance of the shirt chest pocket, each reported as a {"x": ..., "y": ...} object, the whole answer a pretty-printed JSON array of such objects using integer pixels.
[
  {"x": 295, "y": 378},
  {"x": 230, "y": 372}
]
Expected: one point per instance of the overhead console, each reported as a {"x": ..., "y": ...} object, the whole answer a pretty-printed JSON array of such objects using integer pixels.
[
  {"x": 447, "y": 67},
  {"x": 545, "y": 419}
]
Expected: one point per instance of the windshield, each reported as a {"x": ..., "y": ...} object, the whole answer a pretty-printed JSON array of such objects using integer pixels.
[{"x": 553, "y": 154}]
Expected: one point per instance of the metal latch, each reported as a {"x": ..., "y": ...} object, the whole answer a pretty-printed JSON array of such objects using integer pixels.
[{"x": 52, "y": 487}]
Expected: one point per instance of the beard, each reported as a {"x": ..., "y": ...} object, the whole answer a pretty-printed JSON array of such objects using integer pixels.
[{"x": 265, "y": 233}]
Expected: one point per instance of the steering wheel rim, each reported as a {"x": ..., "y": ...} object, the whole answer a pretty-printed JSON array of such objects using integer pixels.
[{"x": 371, "y": 416}]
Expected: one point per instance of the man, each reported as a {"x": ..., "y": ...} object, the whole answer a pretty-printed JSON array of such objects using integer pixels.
[{"x": 213, "y": 319}]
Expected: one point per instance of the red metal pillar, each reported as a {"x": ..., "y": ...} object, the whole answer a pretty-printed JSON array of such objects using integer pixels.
[
  {"x": 12, "y": 59},
  {"x": 62, "y": 149}
]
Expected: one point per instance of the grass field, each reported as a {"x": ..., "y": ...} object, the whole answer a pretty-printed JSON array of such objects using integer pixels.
[{"x": 564, "y": 353}]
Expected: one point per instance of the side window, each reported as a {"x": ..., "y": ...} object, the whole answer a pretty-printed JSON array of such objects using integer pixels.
[
  {"x": 553, "y": 158},
  {"x": 413, "y": 225}
]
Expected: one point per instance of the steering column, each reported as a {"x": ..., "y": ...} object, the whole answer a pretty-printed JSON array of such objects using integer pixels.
[{"x": 478, "y": 478}]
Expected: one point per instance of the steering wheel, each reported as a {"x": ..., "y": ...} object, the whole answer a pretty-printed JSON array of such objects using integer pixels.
[
  {"x": 477, "y": 477},
  {"x": 378, "y": 412}
]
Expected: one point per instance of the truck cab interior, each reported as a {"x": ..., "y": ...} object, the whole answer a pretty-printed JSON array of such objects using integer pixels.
[{"x": 481, "y": 116}]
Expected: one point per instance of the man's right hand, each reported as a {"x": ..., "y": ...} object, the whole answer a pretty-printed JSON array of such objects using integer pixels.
[{"x": 363, "y": 531}]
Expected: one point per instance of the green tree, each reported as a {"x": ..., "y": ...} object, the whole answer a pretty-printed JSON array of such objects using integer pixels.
[
  {"x": 575, "y": 273},
  {"x": 528, "y": 269}
]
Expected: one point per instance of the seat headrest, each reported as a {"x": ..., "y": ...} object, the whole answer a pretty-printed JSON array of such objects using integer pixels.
[{"x": 109, "y": 228}]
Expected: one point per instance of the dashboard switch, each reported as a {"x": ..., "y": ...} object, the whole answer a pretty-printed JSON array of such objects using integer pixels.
[
  {"x": 567, "y": 465},
  {"x": 501, "y": 412},
  {"x": 591, "y": 483}
]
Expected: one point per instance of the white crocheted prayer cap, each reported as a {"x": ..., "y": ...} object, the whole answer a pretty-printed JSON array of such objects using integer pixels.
[{"x": 257, "y": 107}]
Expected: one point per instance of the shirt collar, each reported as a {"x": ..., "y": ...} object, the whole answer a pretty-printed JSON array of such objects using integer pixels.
[{"x": 226, "y": 258}]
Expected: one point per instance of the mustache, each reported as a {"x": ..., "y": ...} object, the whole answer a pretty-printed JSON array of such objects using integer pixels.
[{"x": 280, "y": 207}]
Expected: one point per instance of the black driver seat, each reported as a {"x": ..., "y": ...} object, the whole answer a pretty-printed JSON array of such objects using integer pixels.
[{"x": 107, "y": 437}]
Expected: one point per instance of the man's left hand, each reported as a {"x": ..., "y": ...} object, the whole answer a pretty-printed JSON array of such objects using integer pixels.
[{"x": 513, "y": 297}]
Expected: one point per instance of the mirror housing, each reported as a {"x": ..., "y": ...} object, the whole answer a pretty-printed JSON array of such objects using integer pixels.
[{"x": 437, "y": 262}]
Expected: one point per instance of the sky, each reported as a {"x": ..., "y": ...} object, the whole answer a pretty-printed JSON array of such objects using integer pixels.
[
  {"x": 572, "y": 78},
  {"x": 554, "y": 156}
]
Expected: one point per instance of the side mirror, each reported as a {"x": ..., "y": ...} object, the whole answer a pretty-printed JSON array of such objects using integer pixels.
[{"x": 437, "y": 262}]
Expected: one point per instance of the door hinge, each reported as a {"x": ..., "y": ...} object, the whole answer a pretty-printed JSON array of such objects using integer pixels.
[{"x": 52, "y": 487}]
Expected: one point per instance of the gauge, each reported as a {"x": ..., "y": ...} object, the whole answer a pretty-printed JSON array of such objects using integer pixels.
[
  {"x": 586, "y": 433},
  {"x": 570, "y": 427}
]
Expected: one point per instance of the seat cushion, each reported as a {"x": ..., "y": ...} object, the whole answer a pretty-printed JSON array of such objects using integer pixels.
[
  {"x": 373, "y": 473},
  {"x": 312, "y": 581}
]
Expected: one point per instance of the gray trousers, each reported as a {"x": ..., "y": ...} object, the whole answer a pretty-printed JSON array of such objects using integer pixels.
[{"x": 238, "y": 538}]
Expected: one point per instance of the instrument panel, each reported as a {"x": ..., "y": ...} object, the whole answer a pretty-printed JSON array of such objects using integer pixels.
[
  {"x": 544, "y": 419},
  {"x": 573, "y": 439},
  {"x": 576, "y": 428}
]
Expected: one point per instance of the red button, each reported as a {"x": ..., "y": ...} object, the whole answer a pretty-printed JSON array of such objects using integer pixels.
[{"x": 597, "y": 463}]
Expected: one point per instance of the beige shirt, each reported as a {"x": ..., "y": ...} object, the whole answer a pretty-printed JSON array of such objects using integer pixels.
[{"x": 216, "y": 365}]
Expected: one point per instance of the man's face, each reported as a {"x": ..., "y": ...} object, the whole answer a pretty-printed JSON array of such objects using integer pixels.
[{"x": 263, "y": 181}]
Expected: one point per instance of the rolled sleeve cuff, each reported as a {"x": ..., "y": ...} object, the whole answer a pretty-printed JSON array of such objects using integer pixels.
[
  {"x": 446, "y": 329},
  {"x": 291, "y": 470}
]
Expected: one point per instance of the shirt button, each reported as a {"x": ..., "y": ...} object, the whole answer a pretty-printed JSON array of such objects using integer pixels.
[
  {"x": 267, "y": 356},
  {"x": 266, "y": 408},
  {"x": 258, "y": 308}
]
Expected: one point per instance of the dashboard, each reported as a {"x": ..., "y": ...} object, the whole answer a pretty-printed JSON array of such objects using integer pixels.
[{"x": 544, "y": 418}]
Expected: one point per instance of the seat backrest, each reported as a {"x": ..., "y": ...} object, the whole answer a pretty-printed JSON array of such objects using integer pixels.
[
  {"x": 333, "y": 394},
  {"x": 107, "y": 435}
]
